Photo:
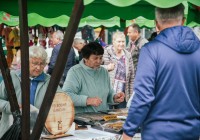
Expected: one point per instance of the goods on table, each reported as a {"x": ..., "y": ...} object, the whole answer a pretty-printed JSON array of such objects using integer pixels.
[{"x": 97, "y": 120}]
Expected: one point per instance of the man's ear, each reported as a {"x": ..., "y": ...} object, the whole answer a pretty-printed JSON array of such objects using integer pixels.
[
  {"x": 157, "y": 26},
  {"x": 183, "y": 21}
]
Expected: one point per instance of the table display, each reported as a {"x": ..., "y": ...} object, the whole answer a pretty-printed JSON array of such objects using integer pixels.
[{"x": 108, "y": 120}]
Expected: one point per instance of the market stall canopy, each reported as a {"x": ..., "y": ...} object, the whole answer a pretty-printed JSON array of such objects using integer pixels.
[
  {"x": 101, "y": 9},
  {"x": 193, "y": 24},
  {"x": 142, "y": 22},
  {"x": 62, "y": 21}
]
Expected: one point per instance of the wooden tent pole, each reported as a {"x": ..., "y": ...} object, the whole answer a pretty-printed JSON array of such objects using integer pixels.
[
  {"x": 59, "y": 68},
  {"x": 25, "y": 82},
  {"x": 101, "y": 32}
]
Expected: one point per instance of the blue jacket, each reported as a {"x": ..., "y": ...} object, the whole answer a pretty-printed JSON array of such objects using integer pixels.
[
  {"x": 166, "y": 104},
  {"x": 70, "y": 61}
]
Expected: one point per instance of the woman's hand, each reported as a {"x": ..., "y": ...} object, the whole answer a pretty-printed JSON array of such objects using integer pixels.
[
  {"x": 94, "y": 101},
  {"x": 110, "y": 66},
  {"x": 119, "y": 97}
]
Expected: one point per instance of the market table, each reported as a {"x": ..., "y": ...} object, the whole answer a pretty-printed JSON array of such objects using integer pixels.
[
  {"x": 93, "y": 134},
  {"x": 102, "y": 125}
]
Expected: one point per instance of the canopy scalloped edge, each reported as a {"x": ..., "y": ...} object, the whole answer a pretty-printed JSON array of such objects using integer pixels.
[
  {"x": 62, "y": 21},
  {"x": 142, "y": 22},
  {"x": 193, "y": 24},
  {"x": 157, "y": 3}
]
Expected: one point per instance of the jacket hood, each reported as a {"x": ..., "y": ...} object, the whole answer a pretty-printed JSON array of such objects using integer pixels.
[{"x": 180, "y": 38}]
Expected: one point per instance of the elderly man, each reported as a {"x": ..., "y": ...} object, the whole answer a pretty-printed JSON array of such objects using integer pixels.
[
  {"x": 166, "y": 104},
  {"x": 57, "y": 38},
  {"x": 136, "y": 43},
  {"x": 78, "y": 45}
]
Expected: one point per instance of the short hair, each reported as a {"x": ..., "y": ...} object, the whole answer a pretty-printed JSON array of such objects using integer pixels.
[
  {"x": 92, "y": 48},
  {"x": 59, "y": 34},
  {"x": 78, "y": 40},
  {"x": 136, "y": 27},
  {"x": 118, "y": 34},
  {"x": 166, "y": 15},
  {"x": 38, "y": 52}
]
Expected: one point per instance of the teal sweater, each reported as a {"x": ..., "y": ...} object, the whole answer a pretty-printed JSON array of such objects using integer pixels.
[{"x": 83, "y": 82}]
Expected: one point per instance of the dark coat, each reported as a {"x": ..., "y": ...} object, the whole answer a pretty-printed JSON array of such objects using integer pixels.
[{"x": 70, "y": 62}]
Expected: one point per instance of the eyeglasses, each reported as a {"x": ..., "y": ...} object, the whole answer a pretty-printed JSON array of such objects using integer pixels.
[{"x": 35, "y": 64}]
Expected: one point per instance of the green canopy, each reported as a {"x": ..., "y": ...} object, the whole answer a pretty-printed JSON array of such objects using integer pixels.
[
  {"x": 143, "y": 22},
  {"x": 193, "y": 24},
  {"x": 158, "y": 3},
  {"x": 8, "y": 19},
  {"x": 62, "y": 21},
  {"x": 101, "y": 9}
]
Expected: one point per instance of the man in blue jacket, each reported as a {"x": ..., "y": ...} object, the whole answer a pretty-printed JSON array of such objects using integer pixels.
[
  {"x": 166, "y": 104},
  {"x": 57, "y": 38}
]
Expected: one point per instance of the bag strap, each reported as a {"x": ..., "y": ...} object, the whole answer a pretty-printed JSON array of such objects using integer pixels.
[{"x": 8, "y": 83}]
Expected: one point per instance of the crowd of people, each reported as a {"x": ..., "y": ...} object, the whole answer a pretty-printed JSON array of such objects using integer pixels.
[{"x": 160, "y": 78}]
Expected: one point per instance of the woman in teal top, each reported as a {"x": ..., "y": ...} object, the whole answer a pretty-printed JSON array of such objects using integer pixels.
[{"x": 88, "y": 83}]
